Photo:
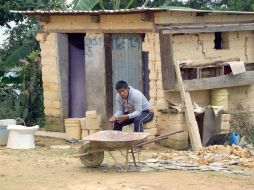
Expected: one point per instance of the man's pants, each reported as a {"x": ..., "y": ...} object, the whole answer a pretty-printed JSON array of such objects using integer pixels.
[{"x": 145, "y": 117}]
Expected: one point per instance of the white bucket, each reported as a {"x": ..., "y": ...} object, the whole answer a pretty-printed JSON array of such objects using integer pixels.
[{"x": 3, "y": 130}]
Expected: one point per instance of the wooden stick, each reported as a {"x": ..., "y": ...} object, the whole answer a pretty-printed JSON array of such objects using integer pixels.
[{"x": 189, "y": 112}]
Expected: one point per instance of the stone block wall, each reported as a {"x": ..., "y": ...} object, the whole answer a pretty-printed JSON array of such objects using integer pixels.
[
  {"x": 199, "y": 48},
  {"x": 51, "y": 88}
]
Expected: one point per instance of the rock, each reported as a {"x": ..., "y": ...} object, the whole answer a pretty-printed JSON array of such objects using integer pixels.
[
  {"x": 238, "y": 151},
  {"x": 243, "y": 142}
]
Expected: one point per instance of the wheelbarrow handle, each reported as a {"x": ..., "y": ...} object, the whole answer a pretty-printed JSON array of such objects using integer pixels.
[{"x": 158, "y": 138}]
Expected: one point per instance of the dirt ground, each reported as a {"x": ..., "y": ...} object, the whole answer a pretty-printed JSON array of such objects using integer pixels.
[{"x": 50, "y": 169}]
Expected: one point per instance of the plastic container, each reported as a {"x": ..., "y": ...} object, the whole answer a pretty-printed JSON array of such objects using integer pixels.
[
  {"x": 3, "y": 130},
  {"x": 234, "y": 138},
  {"x": 220, "y": 97}
]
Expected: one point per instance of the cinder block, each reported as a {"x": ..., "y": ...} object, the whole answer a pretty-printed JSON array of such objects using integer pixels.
[
  {"x": 159, "y": 76},
  {"x": 41, "y": 37},
  {"x": 149, "y": 125},
  {"x": 160, "y": 94},
  {"x": 50, "y": 86},
  {"x": 152, "y": 131},
  {"x": 91, "y": 114},
  {"x": 83, "y": 123},
  {"x": 159, "y": 84},
  {"x": 152, "y": 84},
  {"x": 52, "y": 112},
  {"x": 85, "y": 133},
  {"x": 152, "y": 93},
  {"x": 54, "y": 96},
  {"x": 153, "y": 75},
  {"x": 152, "y": 101},
  {"x": 72, "y": 122},
  {"x": 225, "y": 117},
  {"x": 93, "y": 123},
  {"x": 225, "y": 126},
  {"x": 162, "y": 104}
]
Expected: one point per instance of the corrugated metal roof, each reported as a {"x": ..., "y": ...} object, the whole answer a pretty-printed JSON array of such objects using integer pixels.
[{"x": 123, "y": 11}]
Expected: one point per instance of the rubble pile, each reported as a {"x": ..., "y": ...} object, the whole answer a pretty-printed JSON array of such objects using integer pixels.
[{"x": 212, "y": 158}]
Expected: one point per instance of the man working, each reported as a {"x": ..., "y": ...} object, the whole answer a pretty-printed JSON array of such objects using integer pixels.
[{"x": 131, "y": 107}]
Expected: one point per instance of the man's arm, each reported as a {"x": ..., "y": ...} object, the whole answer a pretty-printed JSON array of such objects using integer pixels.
[{"x": 137, "y": 107}]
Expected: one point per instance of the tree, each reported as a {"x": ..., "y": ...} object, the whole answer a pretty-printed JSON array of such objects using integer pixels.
[
  {"x": 110, "y": 4},
  {"x": 21, "y": 84}
]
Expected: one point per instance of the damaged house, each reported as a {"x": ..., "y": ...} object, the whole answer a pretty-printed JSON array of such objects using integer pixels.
[{"x": 84, "y": 53}]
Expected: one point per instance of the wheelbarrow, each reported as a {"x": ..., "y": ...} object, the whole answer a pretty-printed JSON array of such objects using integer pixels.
[{"x": 91, "y": 153}]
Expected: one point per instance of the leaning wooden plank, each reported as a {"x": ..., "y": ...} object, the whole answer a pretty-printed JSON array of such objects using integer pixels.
[
  {"x": 225, "y": 81},
  {"x": 189, "y": 112}
]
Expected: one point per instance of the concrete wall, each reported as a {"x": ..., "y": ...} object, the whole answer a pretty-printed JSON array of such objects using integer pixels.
[
  {"x": 200, "y": 47},
  {"x": 95, "y": 73}
]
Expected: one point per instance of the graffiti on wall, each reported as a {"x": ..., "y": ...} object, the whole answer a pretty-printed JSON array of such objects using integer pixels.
[
  {"x": 119, "y": 42},
  {"x": 90, "y": 44},
  {"x": 122, "y": 42}
]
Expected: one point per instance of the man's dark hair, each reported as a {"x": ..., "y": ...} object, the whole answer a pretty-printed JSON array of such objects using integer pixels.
[{"x": 121, "y": 84}]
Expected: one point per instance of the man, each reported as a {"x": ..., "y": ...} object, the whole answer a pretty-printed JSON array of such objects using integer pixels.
[{"x": 131, "y": 107}]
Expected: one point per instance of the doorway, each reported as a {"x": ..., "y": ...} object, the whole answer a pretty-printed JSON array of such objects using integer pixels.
[{"x": 77, "y": 83}]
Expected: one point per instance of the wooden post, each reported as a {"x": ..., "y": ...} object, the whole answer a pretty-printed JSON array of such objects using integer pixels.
[
  {"x": 189, "y": 113},
  {"x": 167, "y": 65}
]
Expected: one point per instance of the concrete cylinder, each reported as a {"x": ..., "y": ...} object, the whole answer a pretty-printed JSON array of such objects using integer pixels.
[{"x": 220, "y": 97}]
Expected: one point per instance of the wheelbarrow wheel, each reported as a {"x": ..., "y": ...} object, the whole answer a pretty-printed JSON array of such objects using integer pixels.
[{"x": 90, "y": 160}]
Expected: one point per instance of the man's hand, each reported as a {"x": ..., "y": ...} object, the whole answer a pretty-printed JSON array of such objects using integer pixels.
[
  {"x": 122, "y": 118},
  {"x": 112, "y": 119}
]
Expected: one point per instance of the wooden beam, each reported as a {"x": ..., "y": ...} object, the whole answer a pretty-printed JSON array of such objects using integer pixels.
[
  {"x": 189, "y": 112},
  {"x": 190, "y": 64},
  {"x": 148, "y": 17},
  {"x": 44, "y": 19},
  {"x": 224, "y": 81},
  {"x": 167, "y": 65},
  {"x": 95, "y": 18},
  {"x": 205, "y": 28},
  {"x": 98, "y": 30}
]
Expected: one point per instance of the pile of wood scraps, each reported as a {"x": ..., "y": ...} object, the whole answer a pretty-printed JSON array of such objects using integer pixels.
[{"x": 212, "y": 158}]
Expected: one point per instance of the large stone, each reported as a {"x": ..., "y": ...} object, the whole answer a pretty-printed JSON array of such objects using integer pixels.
[
  {"x": 93, "y": 123},
  {"x": 83, "y": 123},
  {"x": 152, "y": 131},
  {"x": 93, "y": 131},
  {"x": 149, "y": 125},
  {"x": 91, "y": 114},
  {"x": 84, "y": 134}
]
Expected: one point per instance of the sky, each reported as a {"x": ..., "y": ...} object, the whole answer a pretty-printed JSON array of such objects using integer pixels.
[{"x": 2, "y": 31}]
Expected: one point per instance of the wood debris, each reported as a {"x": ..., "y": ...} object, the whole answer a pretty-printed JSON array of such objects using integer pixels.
[{"x": 212, "y": 158}]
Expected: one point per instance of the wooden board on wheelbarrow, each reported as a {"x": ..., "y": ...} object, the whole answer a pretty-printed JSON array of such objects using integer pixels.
[{"x": 115, "y": 140}]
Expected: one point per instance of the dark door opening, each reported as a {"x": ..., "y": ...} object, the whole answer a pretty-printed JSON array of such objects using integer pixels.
[{"x": 77, "y": 83}]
